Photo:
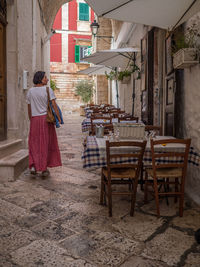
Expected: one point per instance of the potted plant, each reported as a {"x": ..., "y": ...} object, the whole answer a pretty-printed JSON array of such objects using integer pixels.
[
  {"x": 124, "y": 76},
  {"x": 84, "y": 89},
  {"x": 112, "y": 75},
  {"x": 53, "y": 85},
  {"x": 185, "y": 49}
]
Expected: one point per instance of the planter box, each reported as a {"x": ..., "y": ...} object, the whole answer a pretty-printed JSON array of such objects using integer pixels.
[{"x": 185, "y": 58}]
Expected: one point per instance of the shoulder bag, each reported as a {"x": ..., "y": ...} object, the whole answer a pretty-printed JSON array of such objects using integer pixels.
[{"x": 50, "y": 117}]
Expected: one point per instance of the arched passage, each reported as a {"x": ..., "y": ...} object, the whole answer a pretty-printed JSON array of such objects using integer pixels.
[{"x": 49, "y": 10}]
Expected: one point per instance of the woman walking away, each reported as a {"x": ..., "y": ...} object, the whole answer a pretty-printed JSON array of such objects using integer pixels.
[{"x": 43, "y": 145}]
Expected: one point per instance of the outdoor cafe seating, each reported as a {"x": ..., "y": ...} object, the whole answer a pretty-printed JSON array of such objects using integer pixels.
[
  {"x": 164, "y": 174},
  {"x": 118, "y": 132},
  {"x": 118, "y": 173}
]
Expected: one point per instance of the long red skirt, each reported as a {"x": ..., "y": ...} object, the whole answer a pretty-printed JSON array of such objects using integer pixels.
[{"x": 43, "y": 145}]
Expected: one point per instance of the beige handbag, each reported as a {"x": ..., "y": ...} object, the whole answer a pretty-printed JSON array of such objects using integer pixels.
[{"x": 50, "y": 117}]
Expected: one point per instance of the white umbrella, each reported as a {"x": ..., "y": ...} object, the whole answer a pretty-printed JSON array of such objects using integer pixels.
[
  {"x": 120, "y": 57},
  {"x": 160, "y": 13},
  {"x": 95, "y": 70}
]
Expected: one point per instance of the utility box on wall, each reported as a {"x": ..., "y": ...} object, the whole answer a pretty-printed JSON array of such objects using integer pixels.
[{"x": 25, "y": 79}]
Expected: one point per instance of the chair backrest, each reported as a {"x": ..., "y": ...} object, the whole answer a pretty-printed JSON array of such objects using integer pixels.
[
  {"x": 156, "y": 128},
  {"x": 103, "y": 121},
  {"x": 170, "y": 153},
  {"x": 125, "y": 154}
]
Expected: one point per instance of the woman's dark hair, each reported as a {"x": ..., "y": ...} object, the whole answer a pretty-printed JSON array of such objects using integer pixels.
[{"x": 38, "y": 76}]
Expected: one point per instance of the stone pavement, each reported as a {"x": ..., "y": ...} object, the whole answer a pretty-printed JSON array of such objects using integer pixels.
[{"x": 58, "y": 221}]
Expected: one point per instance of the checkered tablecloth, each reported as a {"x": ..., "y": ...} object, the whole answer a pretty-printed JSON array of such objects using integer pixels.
[
  {"x": 86, "y": 123},
  {"x": 93, "y": 158}
]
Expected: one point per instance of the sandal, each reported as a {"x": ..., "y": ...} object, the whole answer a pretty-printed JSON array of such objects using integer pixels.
[
  {"x": 45, "y": 173},
  {"x": 33, "y": 170}
]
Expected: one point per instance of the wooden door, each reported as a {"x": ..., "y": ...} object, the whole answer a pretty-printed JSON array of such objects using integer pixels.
[
  {"x": 2, "y": 81},
  {"x": 169, "y": 104}
]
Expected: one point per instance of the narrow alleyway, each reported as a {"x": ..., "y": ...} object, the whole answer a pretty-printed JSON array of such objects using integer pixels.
[{"x": 58, "y": 221}]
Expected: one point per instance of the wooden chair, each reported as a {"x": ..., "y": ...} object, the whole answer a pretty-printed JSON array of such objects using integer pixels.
[
  {"x": 165, "y": 173},
  {"x": 106, "y": 122},
  {"x": 121, "y": 173},
  {"x": 149, "y": 128},
  {"x": 157, "y": 129}
]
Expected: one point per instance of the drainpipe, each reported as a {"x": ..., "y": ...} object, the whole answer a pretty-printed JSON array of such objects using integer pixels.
[
  {"x": 133, "y": 95},
  {"x": 117, "y": 93}
]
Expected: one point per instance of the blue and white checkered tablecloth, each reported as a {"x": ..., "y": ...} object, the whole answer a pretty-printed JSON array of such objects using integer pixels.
[
  {"x": 86, "y": 123},
  {"x": 93, "y": 158}
]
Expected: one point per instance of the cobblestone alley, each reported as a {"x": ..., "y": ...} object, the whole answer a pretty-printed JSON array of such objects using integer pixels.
[{"x": 58, "y": 221}]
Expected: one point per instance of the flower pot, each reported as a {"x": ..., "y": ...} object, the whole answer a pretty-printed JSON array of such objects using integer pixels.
[
  {"x": 184, "y": 58},
  {"x": 82, "y": 111},
  {"x": 126, "y": 80}
]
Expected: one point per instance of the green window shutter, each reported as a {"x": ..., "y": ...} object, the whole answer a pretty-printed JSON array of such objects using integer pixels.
[
  {"x": 77, "y": 53},
  {"x": 83, "y": 12}
]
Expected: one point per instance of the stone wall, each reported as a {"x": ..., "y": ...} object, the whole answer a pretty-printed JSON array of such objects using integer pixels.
[
  {"x": 25, "y": 51},
  {"x": 65, "y": 83},
  {"x": 102, "y": 92}
]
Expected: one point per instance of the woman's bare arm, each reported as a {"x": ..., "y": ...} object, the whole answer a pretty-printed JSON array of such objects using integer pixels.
[
  {"x": 29, "y": 111},
  {"x": 56, "y": 109}
]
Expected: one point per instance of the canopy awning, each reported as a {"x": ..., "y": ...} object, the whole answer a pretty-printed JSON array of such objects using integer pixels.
[
  {"x": 95, "y": 70},
  {"x": 160, "y": 13},
  {"x": 120, "y": 57}
]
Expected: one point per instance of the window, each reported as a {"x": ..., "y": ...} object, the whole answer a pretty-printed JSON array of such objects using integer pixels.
[
  {"x": 83, "y": 12},
  {"x": 81, "y": 52}
]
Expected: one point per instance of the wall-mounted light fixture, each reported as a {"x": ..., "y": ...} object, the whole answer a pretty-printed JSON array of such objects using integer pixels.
[
  {"x": 94, "y": 28},
  {"x": 48, "y": 37}
]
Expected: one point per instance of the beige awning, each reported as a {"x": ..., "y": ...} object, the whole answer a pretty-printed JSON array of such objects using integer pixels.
[
  {"x": 95, "y": 70},
  {"x": 120, "y": 57},
  {"x": 160, "y": 13}
]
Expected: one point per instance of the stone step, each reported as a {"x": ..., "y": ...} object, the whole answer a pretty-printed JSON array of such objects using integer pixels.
[
  {"x": 13, "y": 165},
  {"x": 8, "y": 147}
]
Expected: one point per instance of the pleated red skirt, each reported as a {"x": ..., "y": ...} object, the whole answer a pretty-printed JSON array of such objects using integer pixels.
[{"x": 43, "y": 144}]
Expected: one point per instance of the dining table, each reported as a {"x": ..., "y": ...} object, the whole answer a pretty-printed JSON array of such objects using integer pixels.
[{"x": 94, "y": 152}]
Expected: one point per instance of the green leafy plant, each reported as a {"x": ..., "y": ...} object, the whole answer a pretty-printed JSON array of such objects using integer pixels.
[
  {"x": 120, "y": 75},
  {"x": 53, "y": 85},
  {"x": 179, "y": 42},
  {"x": 188, "y": 39},
  {"x": 123, "y": 74},
  {"x": 112, "y": 75},
  {"x": 85, "y": 89}
]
